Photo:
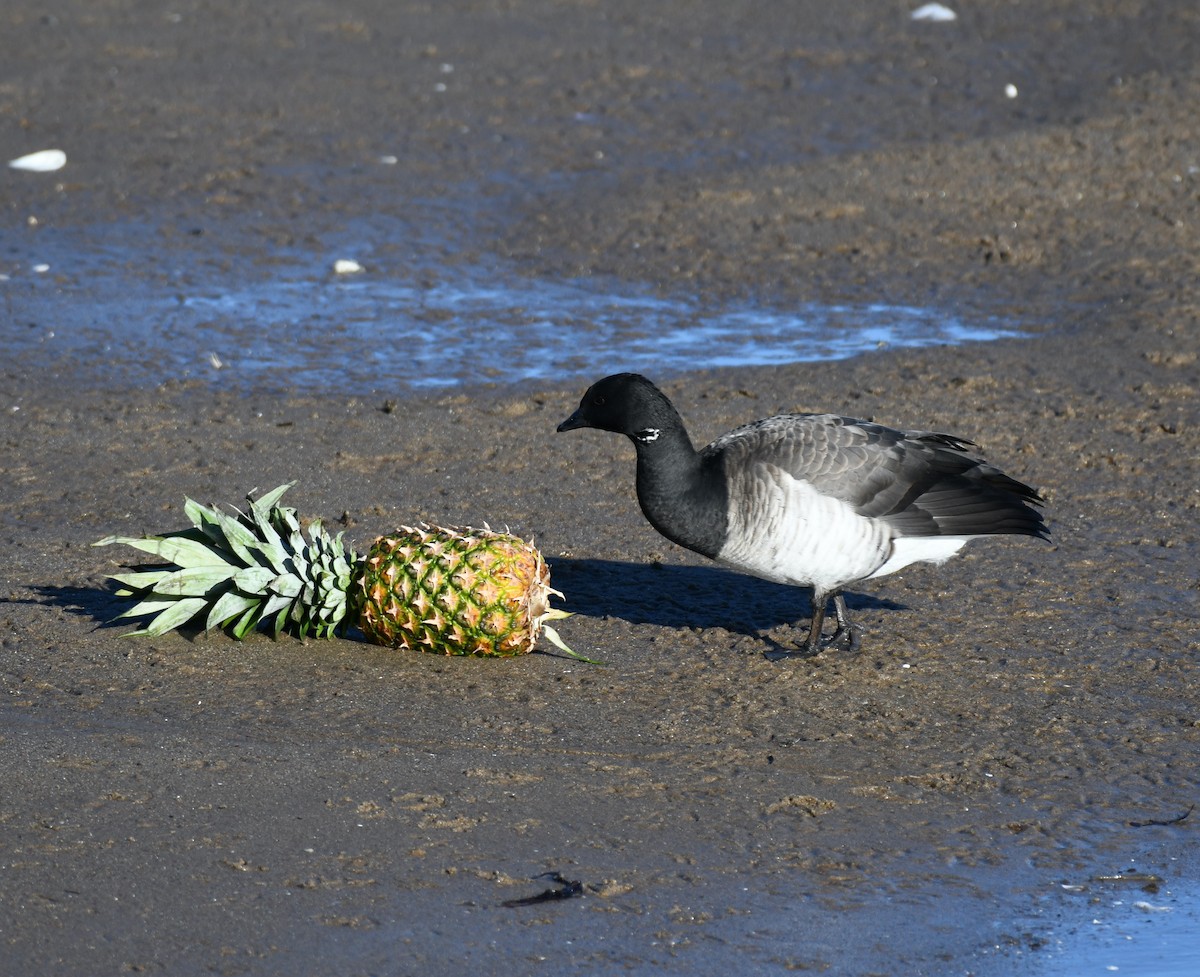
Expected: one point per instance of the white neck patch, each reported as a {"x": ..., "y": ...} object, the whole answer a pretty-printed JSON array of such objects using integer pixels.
[{"x": 648, "y": 435}]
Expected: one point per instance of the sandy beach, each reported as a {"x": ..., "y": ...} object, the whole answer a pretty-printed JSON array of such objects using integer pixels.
[{"x": 1009, "y": 755}]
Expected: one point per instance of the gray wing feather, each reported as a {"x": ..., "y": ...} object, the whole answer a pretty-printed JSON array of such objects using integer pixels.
[{"x": 922, "y": 483}]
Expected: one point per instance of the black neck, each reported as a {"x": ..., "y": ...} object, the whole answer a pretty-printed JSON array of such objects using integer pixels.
[{"x": 682, "y": 493}]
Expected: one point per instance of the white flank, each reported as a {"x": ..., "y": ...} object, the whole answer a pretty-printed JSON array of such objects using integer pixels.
[
  {"x": 921, "y": 549},
  {"x": 45, "y": 161},
  {"x": 782, "y": 529}
]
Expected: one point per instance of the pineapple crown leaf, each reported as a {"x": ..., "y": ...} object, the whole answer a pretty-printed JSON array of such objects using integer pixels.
[
  {"x": 222, "y": 528},
  {"x": 179, "y": 548},
  {"x": 267, "y": 502},
  {"x": 241, "y": 571},
  {"x": 228, "y": 606},
  {"x": 555, "y": 639},
  {"x": 177, "y": 613}
]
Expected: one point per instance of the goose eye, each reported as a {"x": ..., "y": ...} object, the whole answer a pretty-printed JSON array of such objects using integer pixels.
[{"x": 598, "y": 401}]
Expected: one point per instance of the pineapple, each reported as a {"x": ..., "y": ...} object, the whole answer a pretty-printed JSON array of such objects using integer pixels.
[
  {"x": 474, "y": 589},
  {"x": 443, "y": 590}
]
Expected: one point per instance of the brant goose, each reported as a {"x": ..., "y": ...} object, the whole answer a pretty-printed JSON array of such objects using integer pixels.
[{"x": 815, "y": 500}]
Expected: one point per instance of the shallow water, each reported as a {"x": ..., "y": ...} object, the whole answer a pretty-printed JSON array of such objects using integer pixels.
[
  {"x": 1119, "y": 929},
  {"x": 145, "y": 314}
]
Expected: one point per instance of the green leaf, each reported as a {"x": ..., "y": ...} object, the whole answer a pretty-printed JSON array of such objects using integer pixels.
[
  {"x": 276, "y": 603},
  {"x": 268, "y": 500},
  {"x": 246, "y": 623},
  {"x": 197, "y": 513},
  {"x": 287, "y": 585},
  {"x": 253, "y": 580},
  {"x": 150, "y": 605},
  {"x": 271, "y": 543},
  {"x": 140, "y": 581},
  {"x": 561, "y": 645},
  {"x": 192, "y": 581},
  {"x": 334, "y": 599},
  {"x": 279, "y": 623},
  {"x": 176, "y": 548},
  {"x": 233, "y": 535},
  {"x": 179, "y": 613},
  {"x": 286, "y": 523},
  {"x": 228, "y": 606}
]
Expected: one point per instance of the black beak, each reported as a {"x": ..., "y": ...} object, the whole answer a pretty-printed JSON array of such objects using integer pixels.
[{"x": 573, "y": 422}]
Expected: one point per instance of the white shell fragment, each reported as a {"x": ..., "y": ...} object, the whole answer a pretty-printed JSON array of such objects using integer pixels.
[
  {"x": 934, "y": 12},
  {"x": 1010, "y": 90},
  {"x": 347, "y": 266},
  {"x": 44, "y": 161}
]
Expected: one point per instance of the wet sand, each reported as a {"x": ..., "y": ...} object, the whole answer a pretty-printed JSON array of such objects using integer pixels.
[{"x": 1016, "y": 720}]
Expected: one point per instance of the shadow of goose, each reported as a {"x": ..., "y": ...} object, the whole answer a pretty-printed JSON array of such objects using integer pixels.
[{"x": 686, "y": 596}]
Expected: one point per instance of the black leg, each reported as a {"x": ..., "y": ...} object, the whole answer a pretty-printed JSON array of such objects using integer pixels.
[
  {"x": 814, "y": 643},
  {"x": 845, "y": 629},
  {"x": 846, "y": 633}
]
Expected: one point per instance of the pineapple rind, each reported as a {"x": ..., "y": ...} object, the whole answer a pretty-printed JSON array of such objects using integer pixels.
[{"x": 454, "y": 591}]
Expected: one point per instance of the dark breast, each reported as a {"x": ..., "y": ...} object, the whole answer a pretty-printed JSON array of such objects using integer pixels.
[{"x": 689, "y": 508}]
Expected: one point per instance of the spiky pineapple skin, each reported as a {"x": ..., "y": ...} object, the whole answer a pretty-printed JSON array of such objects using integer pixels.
[{"x": 454, "y": 591}]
